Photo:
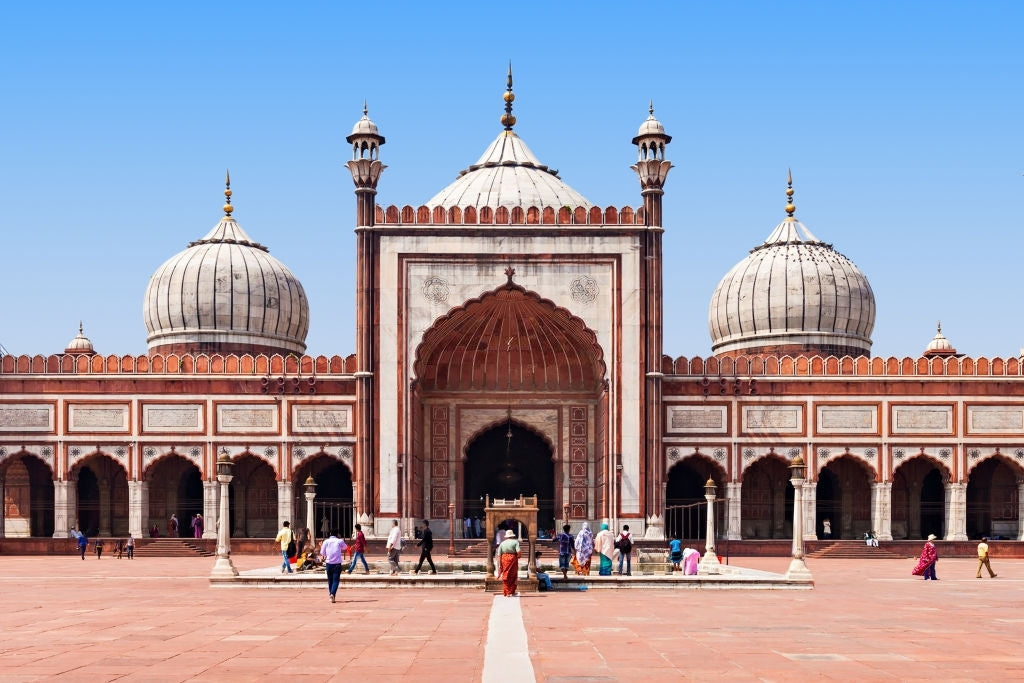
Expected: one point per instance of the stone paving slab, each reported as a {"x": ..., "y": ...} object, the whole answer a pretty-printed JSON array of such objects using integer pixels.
[{"x": 158, "y": 620}]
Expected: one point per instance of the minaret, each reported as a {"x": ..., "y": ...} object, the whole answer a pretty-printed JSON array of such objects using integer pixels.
[
  {"x": 652, "y": 169},
  {"x": 366, "y": 169}
]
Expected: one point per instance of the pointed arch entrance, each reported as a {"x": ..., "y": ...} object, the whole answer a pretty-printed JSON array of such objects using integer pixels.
[
  {"x": 919, "y": 498},
  {"x": 175, "y": 487},
  {"x": 253, "y": 491},
  {"x": 509, "y": 350},
  {"x": 843, "y": 496},
  {"x": 333, "y": 503},
  {"x": 685, "y": 504},
  {"x": 993, "y": 498},
  {"x": 506, "y": 461},
  {"x": 102, "y": 494},
  {"x": 767, "y": 495},
  {"x": 28, "y": 496}
]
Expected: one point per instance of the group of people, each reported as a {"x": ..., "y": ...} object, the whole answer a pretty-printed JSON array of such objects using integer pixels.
[
  {"x": 472, "y": 527},
  {"x": 683, "y": 559},
  {"x": 578, "y": 552},
  {"x": 121, "y": 546},
  {"x": 930, "y": 557}
]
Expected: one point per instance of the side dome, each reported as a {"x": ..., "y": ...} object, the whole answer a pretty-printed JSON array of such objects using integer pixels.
[
  {"x": 225, "y": 294},
  {"x": 792, "y": 295},
  {"x": 509, "y": 175},
  {"x": 80, "y": 345}
]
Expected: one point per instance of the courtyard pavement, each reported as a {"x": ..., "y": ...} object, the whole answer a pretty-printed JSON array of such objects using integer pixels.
[{"x": 159, "y": 620}]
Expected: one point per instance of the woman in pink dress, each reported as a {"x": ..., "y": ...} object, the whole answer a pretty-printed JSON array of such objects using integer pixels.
[{"x": 929, "y": 556}]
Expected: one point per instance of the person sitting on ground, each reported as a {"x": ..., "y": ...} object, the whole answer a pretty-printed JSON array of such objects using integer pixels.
[{"x": 543, "y": 580}]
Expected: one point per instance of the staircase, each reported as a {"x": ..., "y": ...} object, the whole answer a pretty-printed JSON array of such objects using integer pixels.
[
  {"x": 854, "y": 550},
  {"x": 169, "y": 547}
]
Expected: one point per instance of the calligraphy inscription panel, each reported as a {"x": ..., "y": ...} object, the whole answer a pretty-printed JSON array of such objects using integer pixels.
[
  {"x": 995, "y": 419},
  {"x": 697, "y": 419},
  {"x": 921, "y": 419},
  {"x": 26, "y": 417},
  {"x": 172, "y": 418},
  {"x": 97, "y": 418},
  {"x": 847, "y": 419},
  {"x": 774, "y": 419},
  {"x": 321, "y": 420},
  {"x": 259, "y": 419}
]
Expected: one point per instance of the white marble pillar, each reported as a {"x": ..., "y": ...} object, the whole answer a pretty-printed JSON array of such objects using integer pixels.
[
  {"x": 285, "y": 505},
  {"x": 137, "y": 508},
  {"x": 809, "y": 496},
  {"x": 956, "y": 512},
  {"x": 798, "y": 570},
  {"x": 734, "y": 508},
  {"x": 881, "y": 510},
  {"x": 709, "y": 563},
  {"x": 210, "y": 502}
]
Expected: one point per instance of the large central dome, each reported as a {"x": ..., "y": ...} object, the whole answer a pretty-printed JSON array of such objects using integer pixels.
[{"x": 509, "y": 175}]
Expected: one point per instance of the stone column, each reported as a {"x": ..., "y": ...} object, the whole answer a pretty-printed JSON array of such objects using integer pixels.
[
  {"x": 809, "y": 493},
  {"x": 1020, "y": 507},
  {"x": 709, "y": 563},
  {"x": 136, "y": 508},
  {"x": 237, "y": 520},
  {"x": 881, "y": 510},
  {"x": 797, "y": 567},
  {"x": 61, "y": 516},
  {"x": 3, "y": 507},
  {"x": 956, "y": 512},
  {"x": 105, "y": 526},
  {"x": 211, "y": 501},
  {"x": 285, "y": 505},
  {"x": 734, "y": 520}
]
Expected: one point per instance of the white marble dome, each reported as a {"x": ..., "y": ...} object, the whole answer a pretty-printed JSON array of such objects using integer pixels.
[
  {"x": 793, "y": 294},
  {"x": 225, "y": 293},
  {"x": 509, "y": 175},
  {"x": 80, "y": 344}
]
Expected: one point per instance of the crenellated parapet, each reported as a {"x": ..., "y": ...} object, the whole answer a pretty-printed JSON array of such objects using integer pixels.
[
  {"x": 534, "y": 215},
  {"x": 834, "y": 366},
  {"x": 185, "y": 364}
]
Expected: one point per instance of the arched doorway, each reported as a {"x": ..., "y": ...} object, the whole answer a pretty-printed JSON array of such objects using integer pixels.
[
  {"x": 919, "y": 499},
  {"x": 175, "y": 487},
  {"x": 767, "y": 495},
  {"x": 333, "y": 504},
  {"x": 102, "y": 488},
  {"x": 253, "y": 491},
  {"x": 686, "y": 511},
  {"x": 843, "y": 497},
  {"x": 28, "y": 497},
  {"x": 506, "y": 461},
  {"x": 992, "y": 499}
]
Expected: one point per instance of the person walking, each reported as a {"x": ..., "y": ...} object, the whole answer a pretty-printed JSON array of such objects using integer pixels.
[
  {"x": 98, "y": 547},
  {"x": 983, "y": 559},
  {"x": 929, "y": 556},
  {"x": 624, "y": 544},
  {"x": 394, "y": 547},
  {"x": 584, "y": 546},
  {"x": 826, "y": 528},
  {"x": 426, "y": 544},
  {"x": 172, "y": 526},
  {"x": 129, "y": 547},
  {"x": 83, "y": 541},
  {"x": 359, "y": 549},
  {"x": 333, "y": 549},
  {"x": 604, "y": 543},
  {"x": 508, "y": 564},
  {"x": 565, "y": 543},
  {"x": 197, "y": 526},
  {"x": 286, "y": 538}
]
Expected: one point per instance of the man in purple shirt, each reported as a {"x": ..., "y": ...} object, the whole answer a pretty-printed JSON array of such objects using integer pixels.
[{"x": 333, "y": 551}]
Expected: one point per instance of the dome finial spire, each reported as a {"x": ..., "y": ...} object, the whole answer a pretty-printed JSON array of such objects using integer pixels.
[
  {"x": 650, "y": 109},
  {"x": 366, "y": 111},
  {"x": 507, "y": 119},
  {"x": 790, "y": 208},
  {"x": 227, "y": 194}
]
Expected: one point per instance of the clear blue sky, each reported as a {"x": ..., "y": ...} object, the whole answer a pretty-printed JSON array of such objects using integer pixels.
[{"x": 902, "y": 123}]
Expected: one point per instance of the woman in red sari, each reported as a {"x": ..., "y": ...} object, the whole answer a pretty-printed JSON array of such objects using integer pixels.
[
  {"x": 508, "y": 564},
  {"x": 929, "y": 556}
]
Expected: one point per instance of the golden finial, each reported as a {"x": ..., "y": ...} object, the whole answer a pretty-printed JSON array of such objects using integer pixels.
[
  {"x": 790, "y": 208},
  {"x": 507, "y": 119},
  {"x": 227, "y": 194}
]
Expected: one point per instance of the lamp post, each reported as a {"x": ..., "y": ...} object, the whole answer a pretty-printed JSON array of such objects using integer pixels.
[
  {"x": 451, "y": 529},
  {"x": 223, "y": 568},
  {"x": 798, "y": 571},
  {"x": 709, "y": 563},
  {"x": 310, "y": 487}
]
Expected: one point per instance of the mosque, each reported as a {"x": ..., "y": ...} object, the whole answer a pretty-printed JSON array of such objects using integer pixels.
[{"x": 509, "y": 341}]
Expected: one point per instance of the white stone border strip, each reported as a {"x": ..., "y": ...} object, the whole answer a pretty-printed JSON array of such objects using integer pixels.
[{"x": 507, "y": 653}]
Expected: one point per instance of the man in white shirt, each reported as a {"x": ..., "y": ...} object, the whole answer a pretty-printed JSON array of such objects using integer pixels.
[
  {"x": 333, "y": 550},
  {"x": 394, "y": 547}
]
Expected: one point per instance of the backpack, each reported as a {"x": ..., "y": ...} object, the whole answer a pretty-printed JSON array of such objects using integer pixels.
[
  {"x": 624, "y": 544},
  {"x": 291, "y": 547}
]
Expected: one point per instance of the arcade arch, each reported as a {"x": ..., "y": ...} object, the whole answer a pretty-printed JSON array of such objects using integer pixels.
[
  {"x": 767, "y": 495},
  {"x": 175, "y": 486},
  {"x": 919, "y": 498},
  {"x": 101, "y": 487},
  {"x": 28, "y": 496},
  {"x": 993, "y": 498},
  {"x": 685, "y": 504},
  {"x": 843, "y": 495},
  {"x": 253, "y": 491},
  {"x": 334, "y": 495}
]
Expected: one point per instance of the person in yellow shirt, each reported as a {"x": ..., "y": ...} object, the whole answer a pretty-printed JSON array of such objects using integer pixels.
[
  {"x": 983, "y": 559},
  {"x": 285, "y": 537}
]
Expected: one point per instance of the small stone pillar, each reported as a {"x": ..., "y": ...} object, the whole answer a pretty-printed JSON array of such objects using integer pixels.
[{"x": 709, "y": 563}]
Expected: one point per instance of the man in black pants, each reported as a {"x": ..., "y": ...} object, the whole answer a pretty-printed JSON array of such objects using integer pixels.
[{"x": 426, "y": 544}]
